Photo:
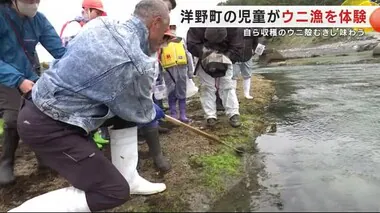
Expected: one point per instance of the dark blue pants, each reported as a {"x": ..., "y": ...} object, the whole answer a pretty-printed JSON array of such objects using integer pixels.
[{"x": 69, "y": 151}]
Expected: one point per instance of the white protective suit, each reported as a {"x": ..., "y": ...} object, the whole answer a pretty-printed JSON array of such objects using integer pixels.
[{"x": 227, "y": 92}]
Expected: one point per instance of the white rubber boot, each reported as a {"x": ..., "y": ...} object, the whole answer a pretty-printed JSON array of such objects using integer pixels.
[
  {"x": 124, "y": 153},
  {"x": 247, "y": 88},
  {"x": 67, "y": 199}
]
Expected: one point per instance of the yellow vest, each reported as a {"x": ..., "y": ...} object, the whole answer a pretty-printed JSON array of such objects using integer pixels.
[{"x": 174, "y": 54}]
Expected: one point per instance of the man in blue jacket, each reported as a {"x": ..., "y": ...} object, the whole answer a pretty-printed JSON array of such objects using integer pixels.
[
  {"x": 150, "y": 132},
  {"x": 104, "y": 79},
  {"x": 21, "y": 28}
]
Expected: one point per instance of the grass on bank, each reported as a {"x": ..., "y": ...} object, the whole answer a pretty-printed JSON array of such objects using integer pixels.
[
  {"x": 225, "y": 162},
  {"x": 1, "y": 127},
  {"x": 214, "y": 167},
  {"x": 190, "y": 187}
]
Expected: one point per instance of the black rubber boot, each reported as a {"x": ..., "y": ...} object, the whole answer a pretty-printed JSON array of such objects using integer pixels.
[
  {"x": 140, "y": 136},
  {"x": 235, "y": 121},
  {"x": 104, "y": 133},
  {"x": 152, "y": 139},
  {"x": 163, "y": 130},
  {"x": 11, "y": 140},
  {"x": 211, "y": 122}
]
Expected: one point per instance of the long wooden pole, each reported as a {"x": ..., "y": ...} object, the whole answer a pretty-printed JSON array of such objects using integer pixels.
[{"x": 199, "y": 132}]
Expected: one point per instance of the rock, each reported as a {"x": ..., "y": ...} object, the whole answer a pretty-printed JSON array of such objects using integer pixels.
[
  {"x": 272, "y": 128},
  {"x": 365, "y": 38},
  {"x": 281, "y": 63},
  {"x": 275, "y": 98},
  {"x": 369, "y": 47},
  {"x": 376, "y": 51},
  {"x": 357, "y": 48},
  {"x": 263, "y": 40},
  {"x": 365, "y": 47},
  {"x": 271, "y": 55}
]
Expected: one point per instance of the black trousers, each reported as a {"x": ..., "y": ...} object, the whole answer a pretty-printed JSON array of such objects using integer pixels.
[
  {"x": 9, "y": 106},
  {"x": 73, "y": 154}
]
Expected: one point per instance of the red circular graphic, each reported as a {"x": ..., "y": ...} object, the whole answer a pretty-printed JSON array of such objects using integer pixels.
[{"x": 374, "y": 20}]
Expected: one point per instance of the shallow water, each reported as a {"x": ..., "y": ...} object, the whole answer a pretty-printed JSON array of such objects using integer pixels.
[{"x": 325, "y": 155}]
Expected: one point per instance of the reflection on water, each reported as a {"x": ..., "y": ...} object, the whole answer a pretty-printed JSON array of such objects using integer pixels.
[{"x": 326, "y": 152}]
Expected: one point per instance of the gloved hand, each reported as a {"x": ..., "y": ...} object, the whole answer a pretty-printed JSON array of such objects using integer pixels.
[
  {"x": 160, "y": 114},
  {"x": 229, "y": 55},
  {"x": 205, "y": 52}
]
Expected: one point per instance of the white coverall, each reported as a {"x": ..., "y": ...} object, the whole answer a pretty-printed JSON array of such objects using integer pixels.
[{"x": 227, "y": 92}]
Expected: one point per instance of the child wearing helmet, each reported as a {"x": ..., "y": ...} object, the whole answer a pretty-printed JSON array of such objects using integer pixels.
[{"x": 91, "y": 10}]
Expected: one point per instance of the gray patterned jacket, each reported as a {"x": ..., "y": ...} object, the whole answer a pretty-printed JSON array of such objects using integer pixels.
[{"x": 105, "y": 72}]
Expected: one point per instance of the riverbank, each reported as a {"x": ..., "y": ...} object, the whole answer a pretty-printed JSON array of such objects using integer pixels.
[
  {"x": 347, "y": 58},
  {"x": 325, "y": 51},
  {"x": 203, "y": 171},
  {"x": 334, "y": 43}
]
